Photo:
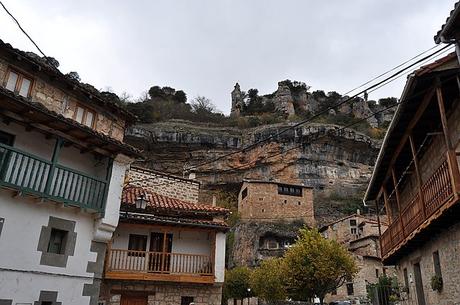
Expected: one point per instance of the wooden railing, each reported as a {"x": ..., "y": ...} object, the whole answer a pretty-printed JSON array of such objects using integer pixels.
[
  {"x": 40, "y": 177},
  {"x": 436, "y": 192},
  {"x": 158, "y": 262}
]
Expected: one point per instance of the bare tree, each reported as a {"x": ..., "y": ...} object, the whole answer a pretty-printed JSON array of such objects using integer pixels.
[{"x": 202, "y": 104}]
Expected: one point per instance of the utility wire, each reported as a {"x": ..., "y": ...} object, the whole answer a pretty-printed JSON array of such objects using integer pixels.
[
  {"x": 324, "y": 111},
  {"x": 22, "y": 29}
]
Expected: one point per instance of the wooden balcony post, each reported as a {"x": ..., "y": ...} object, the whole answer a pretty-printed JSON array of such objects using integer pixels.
[
  {"x": 54, "y": 160},
  {"x": 451, "y": 156},
  {"x": 417, "y": 174},
  {"x": 387, "y": 206},
  {"x": 398, "y": 200}
]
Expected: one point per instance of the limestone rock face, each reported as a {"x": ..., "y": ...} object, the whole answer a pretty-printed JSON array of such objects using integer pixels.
[
  {"x": 284, "y": 102},
  {"x": 316, "y": 155}
]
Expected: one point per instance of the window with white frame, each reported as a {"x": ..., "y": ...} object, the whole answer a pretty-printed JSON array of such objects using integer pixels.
[{"x": 19, "y": 83}]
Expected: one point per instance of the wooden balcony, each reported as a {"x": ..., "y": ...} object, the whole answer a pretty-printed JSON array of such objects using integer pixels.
[
  {"x": 33, "y": 175},
  {"x": 437, "y": 192},
  {"x": 159, "y": 266}
]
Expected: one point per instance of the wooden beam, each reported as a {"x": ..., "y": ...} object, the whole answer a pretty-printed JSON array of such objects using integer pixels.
[
  {"x": 451, "y": 156},
  {"x": 398, "y": 199},
  {"x": 387, "y": 205},
  {"x": 417, "y": 173}
]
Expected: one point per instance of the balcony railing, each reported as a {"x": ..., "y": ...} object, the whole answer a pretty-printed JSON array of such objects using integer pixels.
[
  {"x": 130, "y": 261},
  {"x": 436, "y": 192},
  {"x": 40, "y": 177}
]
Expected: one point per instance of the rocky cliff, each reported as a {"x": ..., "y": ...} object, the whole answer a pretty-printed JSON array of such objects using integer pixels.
[{"x": 336, "y": 163}]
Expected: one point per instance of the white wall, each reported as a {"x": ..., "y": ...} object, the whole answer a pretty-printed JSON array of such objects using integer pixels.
[
  {"x": 24, "y": 218},
  {"x": 219, "y": 265}
]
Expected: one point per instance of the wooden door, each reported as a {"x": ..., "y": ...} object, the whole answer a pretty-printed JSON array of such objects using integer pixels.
[
  {"x": 160, "y": 243},
  {"x": 133, "y": 300},
  {"x": 419, "y": 285}
]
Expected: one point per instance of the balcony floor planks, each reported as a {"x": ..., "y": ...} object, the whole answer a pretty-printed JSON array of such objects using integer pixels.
[{"x": 160, "y": 277}]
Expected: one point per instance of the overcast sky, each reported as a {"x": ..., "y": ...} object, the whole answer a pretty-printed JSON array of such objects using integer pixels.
[{"x": 204, "y": 46}]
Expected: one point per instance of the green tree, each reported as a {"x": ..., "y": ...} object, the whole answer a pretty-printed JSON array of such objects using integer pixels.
[
  {"x": 316, "y": 266},
  {"x": 267, "y": 281},
  {"x": 236, "y": 285}
]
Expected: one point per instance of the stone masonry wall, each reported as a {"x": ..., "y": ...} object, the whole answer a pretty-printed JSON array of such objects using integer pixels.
[
  {"x": 263, "y": 203},
  {"x": 65, "y": 103},
  {"x": 161, "y": 293},
  {"x": 167, "y": 185},
  {"x": 447, "y": 243}
]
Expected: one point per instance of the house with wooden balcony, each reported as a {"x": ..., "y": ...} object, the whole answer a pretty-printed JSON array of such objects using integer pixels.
[
  {"x": 416, "y": 181},
  {"x": 62, "y": 163},
  {"x": 166, "y": 251}
]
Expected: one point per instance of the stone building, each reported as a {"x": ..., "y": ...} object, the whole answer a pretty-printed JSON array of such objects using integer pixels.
[
  {"x": 237, "y": 101},
  {"x": 165, "y": 251},
  {"x": 62, "y": 165},
  {"x": 417, "y": 180},
  {"x": 360, "y": 235},
  {"x": 273, "y": 201},
  {"x": 164, "y": 184}
]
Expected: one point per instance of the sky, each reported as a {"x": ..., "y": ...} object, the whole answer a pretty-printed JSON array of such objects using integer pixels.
[{"x": 205, "y": 46}]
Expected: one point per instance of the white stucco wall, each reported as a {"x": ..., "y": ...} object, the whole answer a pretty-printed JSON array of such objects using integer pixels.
[
  {"x": 219, "y": 265},
  {"x": 24, "y": 218}
]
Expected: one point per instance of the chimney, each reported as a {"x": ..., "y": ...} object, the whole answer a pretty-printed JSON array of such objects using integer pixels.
[
  {"x": 214, "y": 200},
  {"x": 358, "y": 212}
]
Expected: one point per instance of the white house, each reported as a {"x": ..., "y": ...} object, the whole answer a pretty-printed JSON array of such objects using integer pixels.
[
  {"x": 62, "y": 165},
  {"x": 165, "y": 251}
]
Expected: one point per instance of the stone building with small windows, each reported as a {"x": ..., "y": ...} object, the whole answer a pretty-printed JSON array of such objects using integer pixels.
[
  {"x": 360, "y": 235},
  {"x": 62, "y": 166},
  {"x": 273, "y": 201}
]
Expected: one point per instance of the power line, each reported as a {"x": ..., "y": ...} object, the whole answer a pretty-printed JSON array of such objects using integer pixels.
[
  {"x": 324, "y": 111},
  {"x": 23, "y": 31},
  {"x": 336, "y": 131}
]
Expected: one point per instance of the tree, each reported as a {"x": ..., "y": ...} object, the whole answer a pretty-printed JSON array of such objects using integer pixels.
[
  {"x": 202, "y": 105},
  {"x": 156, "y": 91},
  {"x": 236, "y": 285},
  {"x": 180, "y": 96},
  {"x": 267, "y": 281},
  {"x": 316, "y": 266}
]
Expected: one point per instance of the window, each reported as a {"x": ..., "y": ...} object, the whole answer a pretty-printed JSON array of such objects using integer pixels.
[
  {"x": 244, "y": 193},
  {"x": 406, "y": 279},
  {"x": 289, "y": 190},
  {"x": 437, "y": 264},
  {"x": 353, "y": 231},
  {"x": 350, "y": 289},
  {"x": 84, "y": 116},
  {"x": 18, "y": 83},
  {"x": 353, "y": 222},
  {"x": 57, "y": 241},
  {"x": 137, "y": 243},
  {"x": 186, "y": 300},
  {"x": 272, "y": 244},
  {"x": 377, "y": 273}
]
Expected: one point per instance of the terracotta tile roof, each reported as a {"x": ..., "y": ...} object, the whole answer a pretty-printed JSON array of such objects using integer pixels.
[
  {"x": 453, "y": 14},
  {"x": 156, "y": 201},
  {"x": 168, "y": 220},
  {"x": 435, "y": 64},
  {"x": 126, "y": 148}
]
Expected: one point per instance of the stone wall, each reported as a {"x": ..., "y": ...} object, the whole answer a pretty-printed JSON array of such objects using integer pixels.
[
  {"x": 65, "y": 103},
  {"x": 447, "y": 243},
  {"x": 341, "y": 231},
  {"x": 164, "y": 184},
  {"x": 160, "y": 293},
  {"x": 264, "y": 203}
]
